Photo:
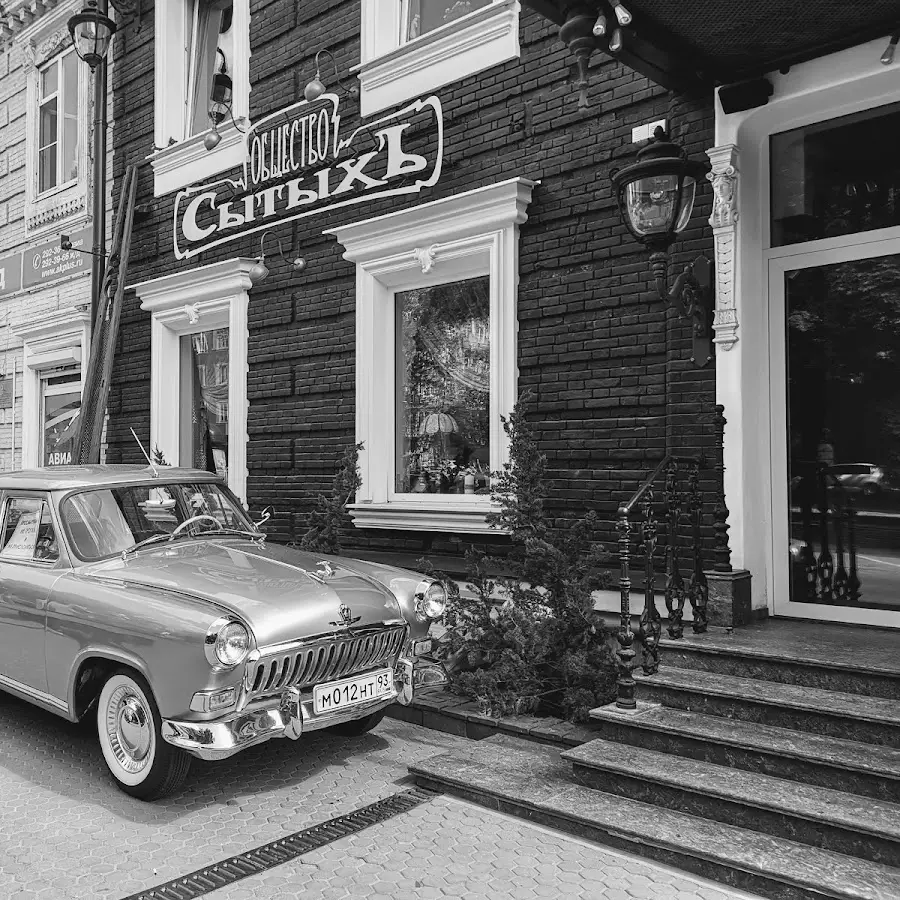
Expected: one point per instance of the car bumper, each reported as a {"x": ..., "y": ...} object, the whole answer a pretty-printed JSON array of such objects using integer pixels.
[{"x": 291, "y": 717}]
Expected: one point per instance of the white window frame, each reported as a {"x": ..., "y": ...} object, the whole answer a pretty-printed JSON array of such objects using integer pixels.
[
  {"x": 189, "y": 302},
  {"x": 754, "y": 454},
  {"x": 51, "y": 342},
  {"x": 61, "y": 95},
  {"x": 463, "y": 236},
  {"x": 43, "y": 42},
  {"x": 393, "y": 71},
  {"x": 181, "y": 160}
]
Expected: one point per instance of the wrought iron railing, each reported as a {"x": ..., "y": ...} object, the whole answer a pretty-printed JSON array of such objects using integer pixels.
[
  {"x": 681, "y": 507},
  {"x": 827, "y": 508}
]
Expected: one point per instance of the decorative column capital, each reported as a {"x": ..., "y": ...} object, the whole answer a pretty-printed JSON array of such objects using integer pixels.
[{"x": 724, "y": 219}]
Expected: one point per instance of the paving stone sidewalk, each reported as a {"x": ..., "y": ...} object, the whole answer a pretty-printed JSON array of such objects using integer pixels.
[{"x": 67, "y": 833}]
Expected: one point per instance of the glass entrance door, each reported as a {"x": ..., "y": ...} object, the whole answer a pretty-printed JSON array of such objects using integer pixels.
[{"x": 839, "y": 443}]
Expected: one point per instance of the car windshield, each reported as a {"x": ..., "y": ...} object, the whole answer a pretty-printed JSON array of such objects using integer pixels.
[{"x": 107, "y": 521}]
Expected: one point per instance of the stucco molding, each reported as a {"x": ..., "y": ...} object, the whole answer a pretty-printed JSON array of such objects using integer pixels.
[{"x": 724, "y": 219}]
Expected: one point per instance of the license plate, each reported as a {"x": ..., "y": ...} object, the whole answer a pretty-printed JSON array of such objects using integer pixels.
[{"x": 351, "y": 691}]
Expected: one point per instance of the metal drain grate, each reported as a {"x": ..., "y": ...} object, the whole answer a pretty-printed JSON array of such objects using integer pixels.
[{"x": 233, "y": 869}]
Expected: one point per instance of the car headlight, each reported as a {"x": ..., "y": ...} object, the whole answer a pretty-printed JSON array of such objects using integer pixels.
[
  {"x": 227, "y": 643},
  {"x": 431, "y": 600}
]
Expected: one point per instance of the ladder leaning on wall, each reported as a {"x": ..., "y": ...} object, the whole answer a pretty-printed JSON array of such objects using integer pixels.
[{"x": 95, "y": 394}]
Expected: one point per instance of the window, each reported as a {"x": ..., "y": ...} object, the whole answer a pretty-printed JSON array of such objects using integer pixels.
[
  {"x": 412, "y": 47},
  {"x": 436, "y": 356},
  {"x": 28, "y": 532},
  {"x": 58, "y": 123},
  {"x": 104, "y": 522},
  {"x": 422, "y": 16},
  {"x": 443, "y": 353},
  {"x": 198, "y": 367},
  {"x": 202, "y": 77},
  {"x": 836, "y": 177},
  {"x": 60, "y": 406},
  {"x": 204, "y": 403}
]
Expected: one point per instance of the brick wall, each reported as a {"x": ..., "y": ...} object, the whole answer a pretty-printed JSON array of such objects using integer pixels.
[{"x": 607, "y": 363}]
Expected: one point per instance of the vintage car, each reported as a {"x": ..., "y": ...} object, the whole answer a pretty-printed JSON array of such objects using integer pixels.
[{"x": 148, "y": 598}]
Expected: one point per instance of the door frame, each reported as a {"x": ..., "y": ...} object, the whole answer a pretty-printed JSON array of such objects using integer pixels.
[{"x": 862, "y": 245}]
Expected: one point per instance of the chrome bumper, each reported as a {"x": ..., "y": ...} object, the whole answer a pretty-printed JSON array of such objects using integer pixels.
[{"x": 290, "y": 718}]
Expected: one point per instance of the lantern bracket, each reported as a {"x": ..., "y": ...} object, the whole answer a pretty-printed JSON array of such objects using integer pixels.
[{"x": 693, "y": 298}]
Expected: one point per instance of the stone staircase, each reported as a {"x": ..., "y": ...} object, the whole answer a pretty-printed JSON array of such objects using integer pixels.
[{"x": 774, "y": 774}]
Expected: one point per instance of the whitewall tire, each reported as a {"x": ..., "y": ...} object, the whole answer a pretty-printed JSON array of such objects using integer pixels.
[{"x": 130, "y": 730}]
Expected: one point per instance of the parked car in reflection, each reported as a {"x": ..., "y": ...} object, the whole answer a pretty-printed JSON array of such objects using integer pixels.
[
  {"x": 148, "y": 599},
  {"x": 864, "y": 478}
]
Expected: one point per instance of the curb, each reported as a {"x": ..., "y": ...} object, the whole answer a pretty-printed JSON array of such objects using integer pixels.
[{"x": 440, "y": 710}]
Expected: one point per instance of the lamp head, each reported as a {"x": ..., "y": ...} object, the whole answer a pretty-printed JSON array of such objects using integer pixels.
[
  {"x": 91, "y": 32},
  {"x": 258, "y": 271},
  {"x": 314, "y": 89},
  {"x": 211, "y": 138}
]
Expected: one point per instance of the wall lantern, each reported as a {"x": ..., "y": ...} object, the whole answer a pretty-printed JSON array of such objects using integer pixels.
[
  {"x": 656, "y": 197},
  {"x": 91, "y": 32},
  {"x": 259, "y": 271},
  {"x": 315, "y": 88}
]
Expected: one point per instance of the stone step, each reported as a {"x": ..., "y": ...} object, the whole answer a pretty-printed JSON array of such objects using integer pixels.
[
  {"x": 872, "y": 720},
  {"x": 866, "y": 769},
  {"x": 531, "y": 781},
  {"x": 805, "y": 666},
  {"x": 822, "y": 817}
]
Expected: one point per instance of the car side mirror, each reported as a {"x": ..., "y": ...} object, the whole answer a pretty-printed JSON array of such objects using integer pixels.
[{"x": 264, "y": 516}]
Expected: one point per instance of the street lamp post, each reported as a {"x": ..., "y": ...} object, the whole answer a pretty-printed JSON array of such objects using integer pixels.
[
  {"x": 656, "y": 199},
  {"x": 91, "y": 31}
]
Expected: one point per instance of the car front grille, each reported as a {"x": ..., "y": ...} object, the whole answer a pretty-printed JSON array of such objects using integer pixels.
[{"x": 323, "y": 659}]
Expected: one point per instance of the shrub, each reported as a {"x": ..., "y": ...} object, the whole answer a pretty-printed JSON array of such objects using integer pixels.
[
  {"x": 329, "y": 516},
  {"x": 530, "y": 641}
]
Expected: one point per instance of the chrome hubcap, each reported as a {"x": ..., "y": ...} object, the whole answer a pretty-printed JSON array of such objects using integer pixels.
[{"x": 129, "y": 727}]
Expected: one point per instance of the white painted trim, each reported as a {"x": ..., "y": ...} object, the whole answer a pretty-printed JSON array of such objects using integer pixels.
[
  {"x": 831, "y": 86},
  {"x": 59, "y": 339},
  {"x": 176, "y": 165},
  {"x": 463, "y": 236},
  {"x": 392, "y": 73},
  {"x": 187, "y": 302}
]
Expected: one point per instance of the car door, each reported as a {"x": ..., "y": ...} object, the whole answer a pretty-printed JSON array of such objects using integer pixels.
[{"x": 29, "y": 565}]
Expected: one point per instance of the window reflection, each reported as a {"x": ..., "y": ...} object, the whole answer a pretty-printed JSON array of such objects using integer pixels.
[{"x": 443, "y": 388}]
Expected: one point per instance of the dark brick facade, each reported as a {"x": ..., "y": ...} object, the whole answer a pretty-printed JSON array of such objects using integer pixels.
[{"x": 607, "y": 362}]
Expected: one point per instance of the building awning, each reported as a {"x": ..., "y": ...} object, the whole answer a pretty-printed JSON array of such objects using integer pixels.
[{"x": 686, "y": 43}]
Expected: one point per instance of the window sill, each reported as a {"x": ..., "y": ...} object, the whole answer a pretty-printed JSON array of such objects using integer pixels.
[
  {"x": 480, "y": 40},
  {"x": 461, "y": 517},
  {"x": 189, "y": 162}
]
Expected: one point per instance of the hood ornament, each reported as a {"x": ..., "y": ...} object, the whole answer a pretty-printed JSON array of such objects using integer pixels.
[{"x": 347, "y": 617}]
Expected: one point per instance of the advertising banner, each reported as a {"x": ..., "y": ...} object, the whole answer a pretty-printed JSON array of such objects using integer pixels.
[{"x": 48, "y": 261}]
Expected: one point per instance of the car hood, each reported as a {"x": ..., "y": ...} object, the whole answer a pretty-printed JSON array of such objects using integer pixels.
[{"x": 266, "y": 586}]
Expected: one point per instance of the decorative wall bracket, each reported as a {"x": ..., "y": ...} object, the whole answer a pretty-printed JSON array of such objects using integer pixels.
[
  {"x": 425, "y": 257},
  {"x": 692, "y": 295}
]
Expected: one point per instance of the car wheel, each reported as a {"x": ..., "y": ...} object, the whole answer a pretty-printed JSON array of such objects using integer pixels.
[
  {"x": 356, "y": 727},
  {"x": 130, "y": 730}
]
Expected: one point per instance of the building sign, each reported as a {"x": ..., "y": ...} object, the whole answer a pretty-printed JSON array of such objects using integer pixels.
[
  {"x": 48, "y": 262},
  {"x": 6, "y": 393},
  {"x": 10, "y": 274},
  {"x": 298, "y": 165}
]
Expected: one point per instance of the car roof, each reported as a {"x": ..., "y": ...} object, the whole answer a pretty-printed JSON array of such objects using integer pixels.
[{"x": 63, "y": 478}]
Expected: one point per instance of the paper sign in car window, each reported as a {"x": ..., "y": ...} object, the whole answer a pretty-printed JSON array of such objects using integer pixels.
[{"x": 24, "y": 539}]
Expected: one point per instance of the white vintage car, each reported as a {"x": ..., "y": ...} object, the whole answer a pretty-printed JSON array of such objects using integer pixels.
[{"x": 148, "y": 599}]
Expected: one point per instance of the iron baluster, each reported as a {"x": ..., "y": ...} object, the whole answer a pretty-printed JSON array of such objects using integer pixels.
[
  {"x": 840, "y": 573},
  {"x": 698, "y": 589},
  {"x": 675, "y": 592},
  {"x": 651, "y": 624},
  {"x": 807, "y": 556},
  {"x": 853, "y": 582},
  {"x": 625, "y": 637},
  {"x": 826, "y": 563},
  {"x": 722, "y": 552}
]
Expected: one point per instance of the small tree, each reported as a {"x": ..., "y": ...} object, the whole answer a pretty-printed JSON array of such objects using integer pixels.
[
  {"x": 531, "y": 640},
  {"x": 329, "y": 516}
]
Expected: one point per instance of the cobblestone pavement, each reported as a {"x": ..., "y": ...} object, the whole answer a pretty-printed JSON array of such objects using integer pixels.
[{"x": 67, "y": 833}]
